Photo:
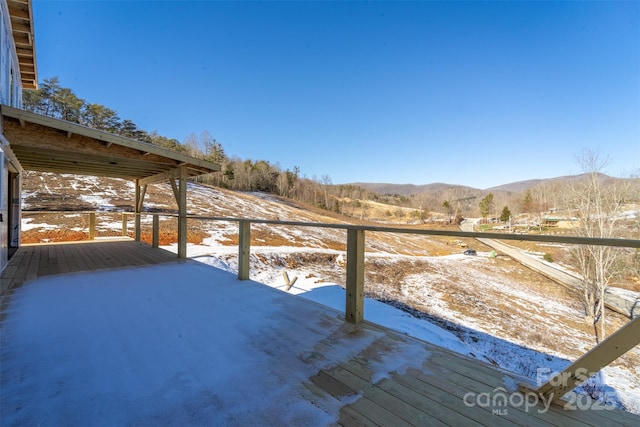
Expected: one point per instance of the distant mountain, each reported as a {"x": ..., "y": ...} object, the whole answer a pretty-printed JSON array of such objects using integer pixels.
[
  {"x": 520, "y": 186},
  {"x": 409, "y": 189},
  {"x": 439, "y": 188}
]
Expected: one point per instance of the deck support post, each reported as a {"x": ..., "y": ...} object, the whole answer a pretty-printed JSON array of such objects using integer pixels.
[
  {"x": 92, "y": 225},
  {"x": 354, "y": 311},
  {"x": 137, "y": 211},
  {"x": 155, "y": 240},
  {"x": 182, "y": 212},
  {"x": 244, "y": 249}
]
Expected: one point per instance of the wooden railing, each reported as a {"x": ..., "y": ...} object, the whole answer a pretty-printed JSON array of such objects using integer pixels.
[
  {"x": 610, "y": 349},
  {"x": 600, "y": 356},
  {"x": 91, "y": 215}
]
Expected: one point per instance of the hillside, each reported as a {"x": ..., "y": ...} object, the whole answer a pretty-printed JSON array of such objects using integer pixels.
[{"x": 496, "y": 307}]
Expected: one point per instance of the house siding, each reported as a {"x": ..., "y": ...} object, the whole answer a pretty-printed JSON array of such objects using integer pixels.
[
  {"x": 10, "y": 94},
  {"x": 10, "y": 81}
]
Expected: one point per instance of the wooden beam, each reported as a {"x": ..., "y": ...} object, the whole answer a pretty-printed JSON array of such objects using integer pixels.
[
  {"x": 623, "y": 340},
  {"x": 21, "y": 27},
  {"x": 141, "y": 201},
  {"x": 354, "y": 311},
  {"x": 19, "y": 10},
  {"x": 73, "y": 161},
  {"x": 138, "y": 232},
  {"x": 169, "y": 175},
  {"x": 161, "y": 177},
  {"x": 176, "y": 192}
]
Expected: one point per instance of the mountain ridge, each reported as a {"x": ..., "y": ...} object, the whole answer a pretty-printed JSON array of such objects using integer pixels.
[{"x": 411, "y": 189}]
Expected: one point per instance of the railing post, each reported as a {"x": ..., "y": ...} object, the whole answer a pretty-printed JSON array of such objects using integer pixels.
[
  {"x": 244, "y": 249},
  {"x": 182, "y": 213},
  {"x": 155, "y": 240},
  {"x": 354, "y": 311},
  {"x": 92, "y": 225},
  {"x": 124, "y": 224},
  {"x": 137, "y": 210}
]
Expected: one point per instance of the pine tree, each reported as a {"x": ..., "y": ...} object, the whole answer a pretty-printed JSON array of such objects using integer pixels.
[
  {"x": 486, "y": 204},
  {"x": 527, "y": 203},
  {"x": 506, "y": 214}
]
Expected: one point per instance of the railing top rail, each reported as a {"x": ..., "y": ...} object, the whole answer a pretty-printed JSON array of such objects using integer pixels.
[
  {"x": 625, "y": 243},
  {"x": 578, "y": 240},
  {"x": 76, "y": 212}
]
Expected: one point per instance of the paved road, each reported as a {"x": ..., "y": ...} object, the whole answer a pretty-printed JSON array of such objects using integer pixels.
[{"x": 624, "y": 302}]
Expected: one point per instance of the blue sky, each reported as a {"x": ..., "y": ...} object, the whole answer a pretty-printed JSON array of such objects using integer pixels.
[{"x": 471, "y": 93}]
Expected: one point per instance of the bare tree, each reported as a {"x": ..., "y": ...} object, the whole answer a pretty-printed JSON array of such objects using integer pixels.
[{"x": 598, "y": 202}]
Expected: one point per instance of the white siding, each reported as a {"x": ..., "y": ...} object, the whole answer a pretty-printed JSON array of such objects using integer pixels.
[
  {"x": 10, "y": 94},
  {"x": 4, "y": 213},
  {"x": 10, "y": 83}
]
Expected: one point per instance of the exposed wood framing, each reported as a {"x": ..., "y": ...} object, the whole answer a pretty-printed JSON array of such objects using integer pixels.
[
  {"x": 140, "y": 203},
  {"x": 171, "y": 174},
  {"x": 47, "y": 144},
  {"x": 174, "y": 187},
  {"x": 21, "y": 16}
]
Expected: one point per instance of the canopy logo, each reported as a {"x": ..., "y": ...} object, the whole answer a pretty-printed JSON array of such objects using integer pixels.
[{"x": 500, "y": 400}]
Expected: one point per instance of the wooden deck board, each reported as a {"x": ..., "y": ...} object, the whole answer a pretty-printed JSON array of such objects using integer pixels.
[
  {"x": 465, "y": 373},
  {"x": 442, "y": 406},
  {"x": 33, "y": 261}
]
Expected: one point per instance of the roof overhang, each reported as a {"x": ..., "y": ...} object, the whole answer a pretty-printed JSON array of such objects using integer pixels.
[
  {"x": 21, "y": 15},
  {"x": 45, "y": 144}
]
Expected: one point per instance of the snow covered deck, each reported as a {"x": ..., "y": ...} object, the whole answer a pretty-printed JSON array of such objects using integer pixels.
[
  {"x": 184, "y": 343},
  {"x": 33, "y": 261}
]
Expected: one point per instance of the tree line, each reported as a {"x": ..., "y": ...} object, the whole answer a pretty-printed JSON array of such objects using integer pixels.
[{"x": 53, "y": 100}]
